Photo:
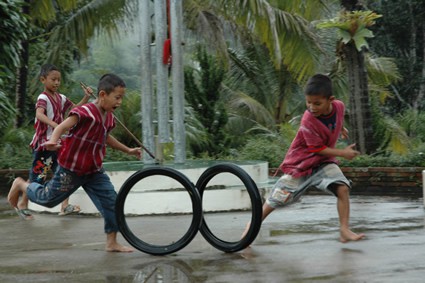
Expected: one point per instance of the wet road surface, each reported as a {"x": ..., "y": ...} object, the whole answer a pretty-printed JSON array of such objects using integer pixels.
[{"x": 296, "y": 244}]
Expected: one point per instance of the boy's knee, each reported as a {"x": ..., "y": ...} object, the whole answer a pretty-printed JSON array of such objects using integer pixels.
[{"x": 342, "y": 190}]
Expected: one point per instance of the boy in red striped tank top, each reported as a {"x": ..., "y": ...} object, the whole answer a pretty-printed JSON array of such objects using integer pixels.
[
  {"x": 51, "y": 108},
  {"x": 81, "y": 159}
]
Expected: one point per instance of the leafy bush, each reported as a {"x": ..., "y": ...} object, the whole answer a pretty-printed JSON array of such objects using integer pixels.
[
  {"x": 14, "y": 148},
  {"x": 266, "y": 149},
  {"x": 414, "y": 159}
]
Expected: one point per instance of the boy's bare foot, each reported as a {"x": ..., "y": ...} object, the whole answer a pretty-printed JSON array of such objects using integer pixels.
[
  {"x": 118, "y": 248},
  {"x": 113, "y": 246},
  {"x": 348, "y": 235},
  {"x": 15, "y": 190}
]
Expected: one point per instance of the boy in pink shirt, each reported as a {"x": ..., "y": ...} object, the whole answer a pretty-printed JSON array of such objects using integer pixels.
[
  {"x": 51, "y": 108},
  {"x": 310, "y": 160},
  {"x": 81, "y": 157}
]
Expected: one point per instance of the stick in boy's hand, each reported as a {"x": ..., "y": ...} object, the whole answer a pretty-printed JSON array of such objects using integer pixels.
[{"x": 87, "y": 90}]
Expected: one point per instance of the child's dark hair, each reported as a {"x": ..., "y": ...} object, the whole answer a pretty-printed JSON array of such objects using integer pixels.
[
  {"x": 319, "y": 85},
  {"x": 109, "y": 82},
  {"x": 46, "y": 69}
]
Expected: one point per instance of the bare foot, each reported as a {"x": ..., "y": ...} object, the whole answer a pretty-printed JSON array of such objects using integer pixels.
[
  {"x": 348, "y": 235},
  {"x": 17, "y": 187},
  {"x": 118, "y": 248}
]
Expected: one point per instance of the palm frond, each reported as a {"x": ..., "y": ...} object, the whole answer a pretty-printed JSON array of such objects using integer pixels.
[{"x": 82, "y": 24}]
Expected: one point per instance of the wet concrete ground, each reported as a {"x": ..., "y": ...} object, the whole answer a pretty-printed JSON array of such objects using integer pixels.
[{"x": 295, "y": 244}]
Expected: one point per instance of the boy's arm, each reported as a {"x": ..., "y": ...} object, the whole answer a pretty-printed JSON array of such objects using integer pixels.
[
  {"x": 115, "y": 144},
  {"x": 42, "y": 117},
  {"x": 348, "y": 153},
  {"x": 63, "y": 127}
]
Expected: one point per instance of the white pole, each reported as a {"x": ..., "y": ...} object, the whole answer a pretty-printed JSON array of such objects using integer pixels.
[
  {"x": 146, "y": 80},
  {"x": 163, "y": 104},
  {"x": 176, "y": 8}
]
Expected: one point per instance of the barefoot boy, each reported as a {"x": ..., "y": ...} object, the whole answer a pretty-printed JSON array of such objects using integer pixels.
[
  {"x": 81, "y": 157},
  {"x": 51, "y": 108},
  {"x": 310, "y": 160}
]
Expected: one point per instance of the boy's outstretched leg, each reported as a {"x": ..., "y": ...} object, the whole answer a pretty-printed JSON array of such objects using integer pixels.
[
  {"x": 267, "y": 209},
  {"x": 343, "y": 206},
  {"x": 113, "y": 246},
  {"x": 18, "y": 187}
]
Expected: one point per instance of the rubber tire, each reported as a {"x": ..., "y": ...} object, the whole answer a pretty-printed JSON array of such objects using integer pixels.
[
  {"x": 196, "y": 207},
  {"x": 256, "y": 202}
]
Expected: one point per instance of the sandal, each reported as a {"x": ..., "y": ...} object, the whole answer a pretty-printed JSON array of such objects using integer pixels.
[
  {"x": 69, "y": 209},
  {"x": 24, "y": 213}
]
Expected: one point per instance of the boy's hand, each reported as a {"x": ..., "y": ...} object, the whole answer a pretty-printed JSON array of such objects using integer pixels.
[
  {"x": 136, "y": 151},
  {"x": 52, "y": 146},
  {"x": 87, "y": 91},
  {"x": 350, "y": 152}
]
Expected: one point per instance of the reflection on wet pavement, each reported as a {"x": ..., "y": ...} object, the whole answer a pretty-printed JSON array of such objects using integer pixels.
[{"x": 295, "y": 244}]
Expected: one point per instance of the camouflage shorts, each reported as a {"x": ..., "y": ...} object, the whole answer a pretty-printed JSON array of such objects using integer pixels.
[{"x": 288, "y": 189}]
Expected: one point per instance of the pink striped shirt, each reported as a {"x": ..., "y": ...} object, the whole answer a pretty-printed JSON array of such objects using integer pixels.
[
  {"x": 300, "y": 160},
  {"x": 83, "y": 149},
  {"x": 55, "y": 107}
]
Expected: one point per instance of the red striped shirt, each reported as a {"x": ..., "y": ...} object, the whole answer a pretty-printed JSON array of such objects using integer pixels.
[
  {"x": 55, "y": 106},
  {"x": 83, "y": 149}
]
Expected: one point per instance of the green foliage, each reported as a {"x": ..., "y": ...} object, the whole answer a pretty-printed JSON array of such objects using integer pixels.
[
  {"x": 7, "y": 111},
  {"x": 13, "y": 27},
  {"x": 353, "y": 26},
  {"x": 269, "y": 145},
  {"x": 400, "y": 36},
  {"x": 266, "y": 149},
  {"x": 14, "y": 148},
  {"x": 412, "y": 159},
  {"x": 203, "y": 95}
]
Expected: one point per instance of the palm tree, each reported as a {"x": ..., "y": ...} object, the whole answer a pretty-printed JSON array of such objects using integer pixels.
[
  {"x": 282, "y": 26},
  {"x": 64, "y": 28}
]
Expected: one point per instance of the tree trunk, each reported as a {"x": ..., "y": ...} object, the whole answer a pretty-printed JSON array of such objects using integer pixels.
[
  {"x": 361, "y": 124},
  {"x": 421, "y": 94}
]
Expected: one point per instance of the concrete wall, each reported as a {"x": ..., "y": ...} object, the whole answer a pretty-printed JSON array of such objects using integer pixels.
[{"x": 366, "y": 180}]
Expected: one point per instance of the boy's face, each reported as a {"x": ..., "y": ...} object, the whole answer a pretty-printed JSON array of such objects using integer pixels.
[
  {"x": 51, "y": 82},
  {"x": 319, "y": 105},
  {"x": 110, "y": 102}
]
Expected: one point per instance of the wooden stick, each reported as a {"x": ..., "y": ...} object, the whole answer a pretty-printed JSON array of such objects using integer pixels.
[{"x": 122, "y": 125}]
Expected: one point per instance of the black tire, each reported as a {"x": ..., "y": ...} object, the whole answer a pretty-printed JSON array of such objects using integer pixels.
[
  {"x": 256, "y": 203},
  {"x": 196, "y": 207}
]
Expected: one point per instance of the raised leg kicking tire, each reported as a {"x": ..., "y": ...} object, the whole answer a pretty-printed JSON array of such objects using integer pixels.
[
  {"x": 256, "y": 208},
  {"x": 136, "y": 241}
]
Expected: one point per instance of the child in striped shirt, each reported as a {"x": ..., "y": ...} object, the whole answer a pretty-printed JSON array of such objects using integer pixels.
[
  {"x": 51, "y": 108},
  {"x": 81, "y": 159}
]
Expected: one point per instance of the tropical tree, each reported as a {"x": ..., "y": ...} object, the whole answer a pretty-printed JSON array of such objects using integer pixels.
[
  {"x": 282, "y": 26},
  {"x": 203, "y": 95},
  {"x": 400, "y": 34},
  {"x": 13, "y": 30},
  {"x": 64, "y": 29},
  {"x": 353, "y": 25}
]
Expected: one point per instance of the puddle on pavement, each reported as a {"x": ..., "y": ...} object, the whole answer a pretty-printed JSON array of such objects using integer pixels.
[{"x": 173, "y": 271}]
